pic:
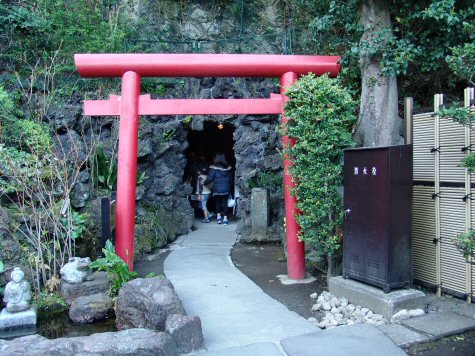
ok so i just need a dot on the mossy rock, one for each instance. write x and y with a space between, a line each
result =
154 229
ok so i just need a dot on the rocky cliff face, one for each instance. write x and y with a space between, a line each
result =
163 209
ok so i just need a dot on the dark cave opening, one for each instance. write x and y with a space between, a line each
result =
215 137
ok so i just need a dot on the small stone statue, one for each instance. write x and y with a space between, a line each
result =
77 270
17 292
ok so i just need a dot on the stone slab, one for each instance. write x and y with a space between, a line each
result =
260 208
257 349
361 339
441 324
374 298
402 336
17 320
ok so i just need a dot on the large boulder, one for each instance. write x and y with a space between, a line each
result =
146 303
186 331
87 309
127 342
100 284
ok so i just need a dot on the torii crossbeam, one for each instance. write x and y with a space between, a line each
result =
131 67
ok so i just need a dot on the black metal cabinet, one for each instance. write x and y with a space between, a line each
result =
378 214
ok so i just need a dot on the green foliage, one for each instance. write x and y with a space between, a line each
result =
168 134
50 304
115 267
458 114
462 62
8 115
17 169
466 118
152 86
151 275
469 162
321 114
32 136
465 243
269 180
77 225
104 170
187 120
424 34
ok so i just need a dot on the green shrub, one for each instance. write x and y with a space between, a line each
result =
321 115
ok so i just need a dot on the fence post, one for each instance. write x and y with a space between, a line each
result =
438 102
408 119
468 98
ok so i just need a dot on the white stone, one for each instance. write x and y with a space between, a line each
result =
370 314
351 308
377 317
344 302
334 310
416 312
321 299
400 315
312 320
364 310
326 306
317 307
350 322
314 295
334 322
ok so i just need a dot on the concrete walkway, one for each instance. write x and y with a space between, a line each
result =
238 318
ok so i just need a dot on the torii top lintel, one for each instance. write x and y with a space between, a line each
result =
204 65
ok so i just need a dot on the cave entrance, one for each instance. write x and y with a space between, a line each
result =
215 137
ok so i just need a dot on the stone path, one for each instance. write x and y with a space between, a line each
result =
238 318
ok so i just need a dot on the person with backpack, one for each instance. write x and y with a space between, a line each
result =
220 173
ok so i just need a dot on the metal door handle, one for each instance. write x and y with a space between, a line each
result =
347 211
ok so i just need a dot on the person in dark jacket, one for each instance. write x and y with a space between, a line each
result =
220 175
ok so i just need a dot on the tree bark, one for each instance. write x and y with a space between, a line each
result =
378 122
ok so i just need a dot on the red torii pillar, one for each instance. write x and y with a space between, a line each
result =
131 67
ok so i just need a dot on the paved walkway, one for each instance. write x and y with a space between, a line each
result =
238 318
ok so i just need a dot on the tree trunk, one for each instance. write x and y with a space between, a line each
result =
378 122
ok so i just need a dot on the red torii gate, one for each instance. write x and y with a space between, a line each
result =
131 67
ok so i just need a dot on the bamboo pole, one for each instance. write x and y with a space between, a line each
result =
408 119
468 97
438 102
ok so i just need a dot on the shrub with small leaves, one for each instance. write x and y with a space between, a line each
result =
321 114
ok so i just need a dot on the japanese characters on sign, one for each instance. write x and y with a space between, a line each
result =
365 171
